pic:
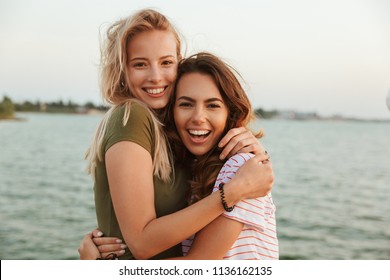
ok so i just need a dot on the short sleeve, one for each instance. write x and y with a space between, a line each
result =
138 128
255 212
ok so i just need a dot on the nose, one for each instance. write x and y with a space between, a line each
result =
154 74
198 115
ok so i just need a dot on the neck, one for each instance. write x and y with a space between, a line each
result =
160 113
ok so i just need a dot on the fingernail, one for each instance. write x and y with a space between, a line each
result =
121 252
222 156
123 246
100 233
220 144
119 241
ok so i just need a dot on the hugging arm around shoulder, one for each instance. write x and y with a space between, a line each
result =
131 186
133 198
248 232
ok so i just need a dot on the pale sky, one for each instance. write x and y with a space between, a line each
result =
329 57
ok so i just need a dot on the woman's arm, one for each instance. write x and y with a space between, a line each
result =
214 240
211 243
129 169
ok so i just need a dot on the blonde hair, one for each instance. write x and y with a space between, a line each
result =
116 90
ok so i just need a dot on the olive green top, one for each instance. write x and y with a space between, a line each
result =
169 197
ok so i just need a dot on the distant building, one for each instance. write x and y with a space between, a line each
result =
42 106
293 115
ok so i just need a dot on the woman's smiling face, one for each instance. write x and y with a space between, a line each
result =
152 66
200 112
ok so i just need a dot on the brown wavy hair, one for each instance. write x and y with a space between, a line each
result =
205 168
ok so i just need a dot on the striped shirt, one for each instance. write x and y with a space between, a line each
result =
258 239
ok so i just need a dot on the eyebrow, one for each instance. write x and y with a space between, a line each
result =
144 58
193 100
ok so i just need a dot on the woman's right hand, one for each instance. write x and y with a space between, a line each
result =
253 179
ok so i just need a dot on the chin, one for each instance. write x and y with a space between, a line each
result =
158 105
198 153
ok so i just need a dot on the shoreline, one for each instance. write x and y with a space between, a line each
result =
99 112
15 119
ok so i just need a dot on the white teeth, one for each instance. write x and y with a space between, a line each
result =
154 90
199 132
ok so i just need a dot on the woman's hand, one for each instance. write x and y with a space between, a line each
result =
108 246
239 140
94 246
88 249
253 179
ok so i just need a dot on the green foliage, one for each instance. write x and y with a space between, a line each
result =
6 108
27 106
266 114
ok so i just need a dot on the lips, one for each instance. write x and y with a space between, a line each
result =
198 136
155 92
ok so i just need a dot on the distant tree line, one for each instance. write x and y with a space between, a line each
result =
7 108
57 107
261 113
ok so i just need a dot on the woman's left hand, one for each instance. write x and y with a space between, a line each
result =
108 247
88 250
240 140
95 246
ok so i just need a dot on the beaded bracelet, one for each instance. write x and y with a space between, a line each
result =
224 204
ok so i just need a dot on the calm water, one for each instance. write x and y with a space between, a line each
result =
332 188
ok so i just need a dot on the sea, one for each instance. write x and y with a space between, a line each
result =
331 190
